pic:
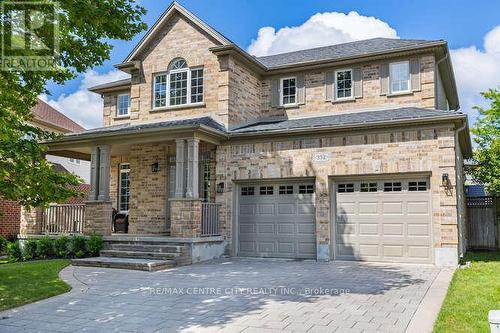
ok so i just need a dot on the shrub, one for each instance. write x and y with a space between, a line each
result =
29 249
61 247
45 248
14 251
78 246
3 244
94 244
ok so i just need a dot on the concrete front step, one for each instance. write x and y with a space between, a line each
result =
125 263
139 247
138 254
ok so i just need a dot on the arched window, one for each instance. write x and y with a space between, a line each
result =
180 85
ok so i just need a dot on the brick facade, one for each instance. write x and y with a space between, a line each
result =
10 217
98 217
185 217
427 150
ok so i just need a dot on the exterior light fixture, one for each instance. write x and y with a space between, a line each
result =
220 188
155 167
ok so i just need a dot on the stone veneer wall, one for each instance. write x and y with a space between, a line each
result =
98 217
411 150
316 98
30 221
185 217
177 38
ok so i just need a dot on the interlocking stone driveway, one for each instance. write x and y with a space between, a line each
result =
362 297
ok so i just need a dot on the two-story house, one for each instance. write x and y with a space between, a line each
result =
351 151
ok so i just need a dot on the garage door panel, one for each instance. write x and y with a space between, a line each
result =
368 229
282 225
287 209
266 209
392 229
383 223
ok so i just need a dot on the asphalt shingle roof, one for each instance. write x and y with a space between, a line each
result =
46 113
345 50
357 118
206 121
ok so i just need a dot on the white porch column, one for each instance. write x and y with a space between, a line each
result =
192 176
94 173
179 167
104 167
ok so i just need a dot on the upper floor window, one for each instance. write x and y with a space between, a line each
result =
399 76
288 91
123 105
180 86
343 84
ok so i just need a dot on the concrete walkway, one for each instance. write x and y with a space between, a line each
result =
234 295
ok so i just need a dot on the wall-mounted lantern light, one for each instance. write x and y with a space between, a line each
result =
445 181
220 188
155 167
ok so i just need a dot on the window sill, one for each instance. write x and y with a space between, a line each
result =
404 93
121 117
343 100
178 107
289 106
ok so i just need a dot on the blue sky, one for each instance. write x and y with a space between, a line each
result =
464 24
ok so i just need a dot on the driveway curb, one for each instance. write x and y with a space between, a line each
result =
428 309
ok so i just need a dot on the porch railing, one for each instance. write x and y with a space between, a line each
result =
63 219
210 219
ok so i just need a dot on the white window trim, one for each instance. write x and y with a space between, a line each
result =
335 93
118 115
167 102
390 78
120 185
281 91
75 161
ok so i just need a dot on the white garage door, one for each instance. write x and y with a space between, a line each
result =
383 220
277 220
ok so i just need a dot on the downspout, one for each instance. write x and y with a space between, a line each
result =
459 175
436 73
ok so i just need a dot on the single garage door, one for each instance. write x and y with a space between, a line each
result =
384 220
277 220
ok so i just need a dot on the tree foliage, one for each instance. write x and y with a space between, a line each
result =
85 30
487 136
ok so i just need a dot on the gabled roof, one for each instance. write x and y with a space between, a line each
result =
46 114
346 50
110 86
171 10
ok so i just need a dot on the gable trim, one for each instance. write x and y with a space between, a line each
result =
171 10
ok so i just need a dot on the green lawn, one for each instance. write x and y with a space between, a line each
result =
472 293
27 282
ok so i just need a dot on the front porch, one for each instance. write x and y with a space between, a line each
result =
161 180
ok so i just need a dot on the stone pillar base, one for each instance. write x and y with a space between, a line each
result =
98 217
185 217
30 222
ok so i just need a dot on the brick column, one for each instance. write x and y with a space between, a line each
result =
98 217
185 217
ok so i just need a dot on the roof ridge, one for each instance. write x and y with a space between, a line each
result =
347 43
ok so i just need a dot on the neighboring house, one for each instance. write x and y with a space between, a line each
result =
48 118
350 151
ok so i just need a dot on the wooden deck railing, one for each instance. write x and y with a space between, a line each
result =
63 219
210 219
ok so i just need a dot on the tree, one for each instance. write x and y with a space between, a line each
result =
85 30
486 167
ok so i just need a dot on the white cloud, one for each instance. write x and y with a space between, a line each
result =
320 30
83 106
476 71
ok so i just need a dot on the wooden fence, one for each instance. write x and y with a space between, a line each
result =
482 223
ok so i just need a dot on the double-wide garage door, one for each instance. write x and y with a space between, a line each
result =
276 220
383 220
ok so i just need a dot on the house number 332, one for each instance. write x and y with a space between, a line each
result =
321 157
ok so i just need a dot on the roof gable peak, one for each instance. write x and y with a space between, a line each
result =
172 9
